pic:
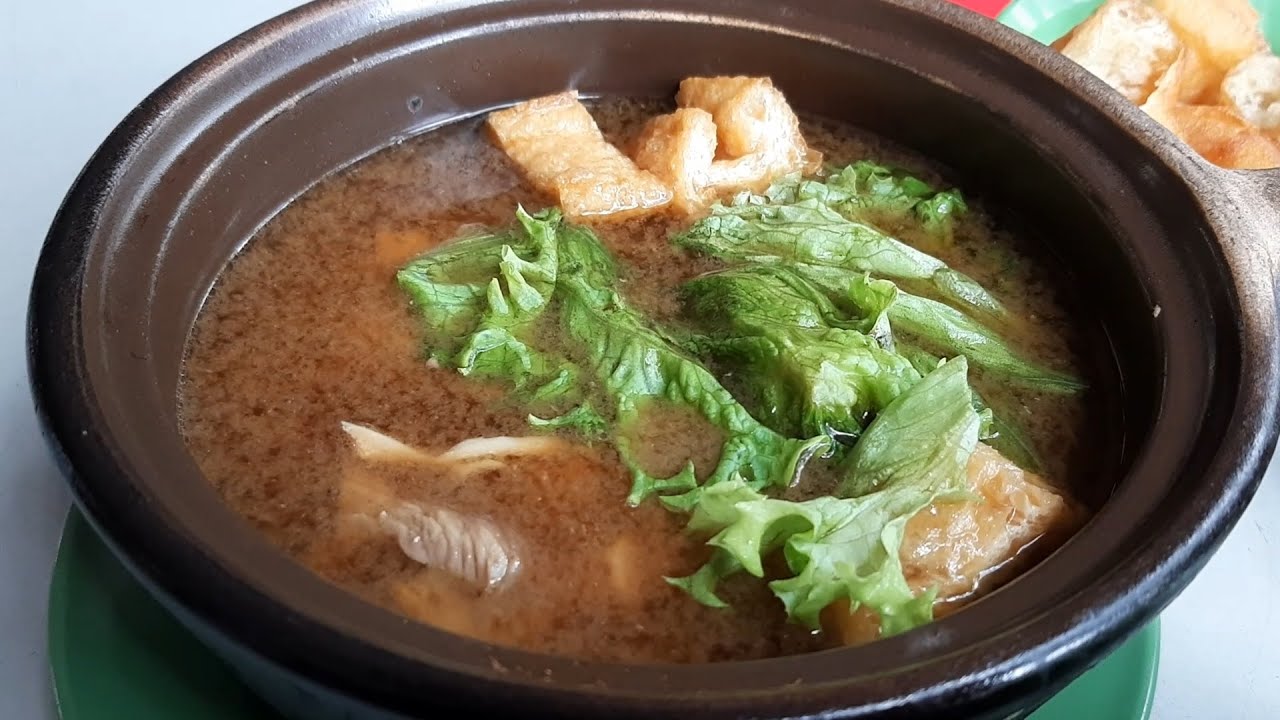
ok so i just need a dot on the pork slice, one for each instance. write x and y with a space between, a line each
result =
469 547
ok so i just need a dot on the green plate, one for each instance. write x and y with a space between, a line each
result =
117 655
1048 20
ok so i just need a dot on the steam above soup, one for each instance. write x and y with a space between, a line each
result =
698 385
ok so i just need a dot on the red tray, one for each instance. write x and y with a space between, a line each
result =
990 8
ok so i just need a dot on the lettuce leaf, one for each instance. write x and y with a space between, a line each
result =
881 309
913 454
493 306
952 332
870 192
924 438
804 374
995 430
814 226
583 418
634 362
480 298
488 302
808 232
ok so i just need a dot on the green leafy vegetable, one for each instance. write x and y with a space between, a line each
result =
939 213
482 300
953 332
813 226
925 437
634 362
815 338
503 278
914 453
479 299
805 377
882 305
873 299
869 192
1010 441
808 232
995 430
582 418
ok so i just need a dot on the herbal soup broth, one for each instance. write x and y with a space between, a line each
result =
778 411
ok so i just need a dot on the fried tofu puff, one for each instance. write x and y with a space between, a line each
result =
558 146
1128 44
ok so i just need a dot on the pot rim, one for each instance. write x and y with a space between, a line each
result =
54 356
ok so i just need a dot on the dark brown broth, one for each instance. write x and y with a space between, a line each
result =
306 328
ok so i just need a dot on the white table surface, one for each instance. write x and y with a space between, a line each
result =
70 69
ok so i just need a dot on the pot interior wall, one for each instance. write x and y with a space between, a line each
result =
237 146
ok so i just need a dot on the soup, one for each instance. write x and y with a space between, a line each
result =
656 407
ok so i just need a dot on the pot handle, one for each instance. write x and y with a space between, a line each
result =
1258 194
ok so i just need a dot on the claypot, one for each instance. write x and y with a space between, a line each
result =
1130 214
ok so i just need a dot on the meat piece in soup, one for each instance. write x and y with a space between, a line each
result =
735 421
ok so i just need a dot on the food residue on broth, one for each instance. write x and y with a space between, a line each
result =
626 384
